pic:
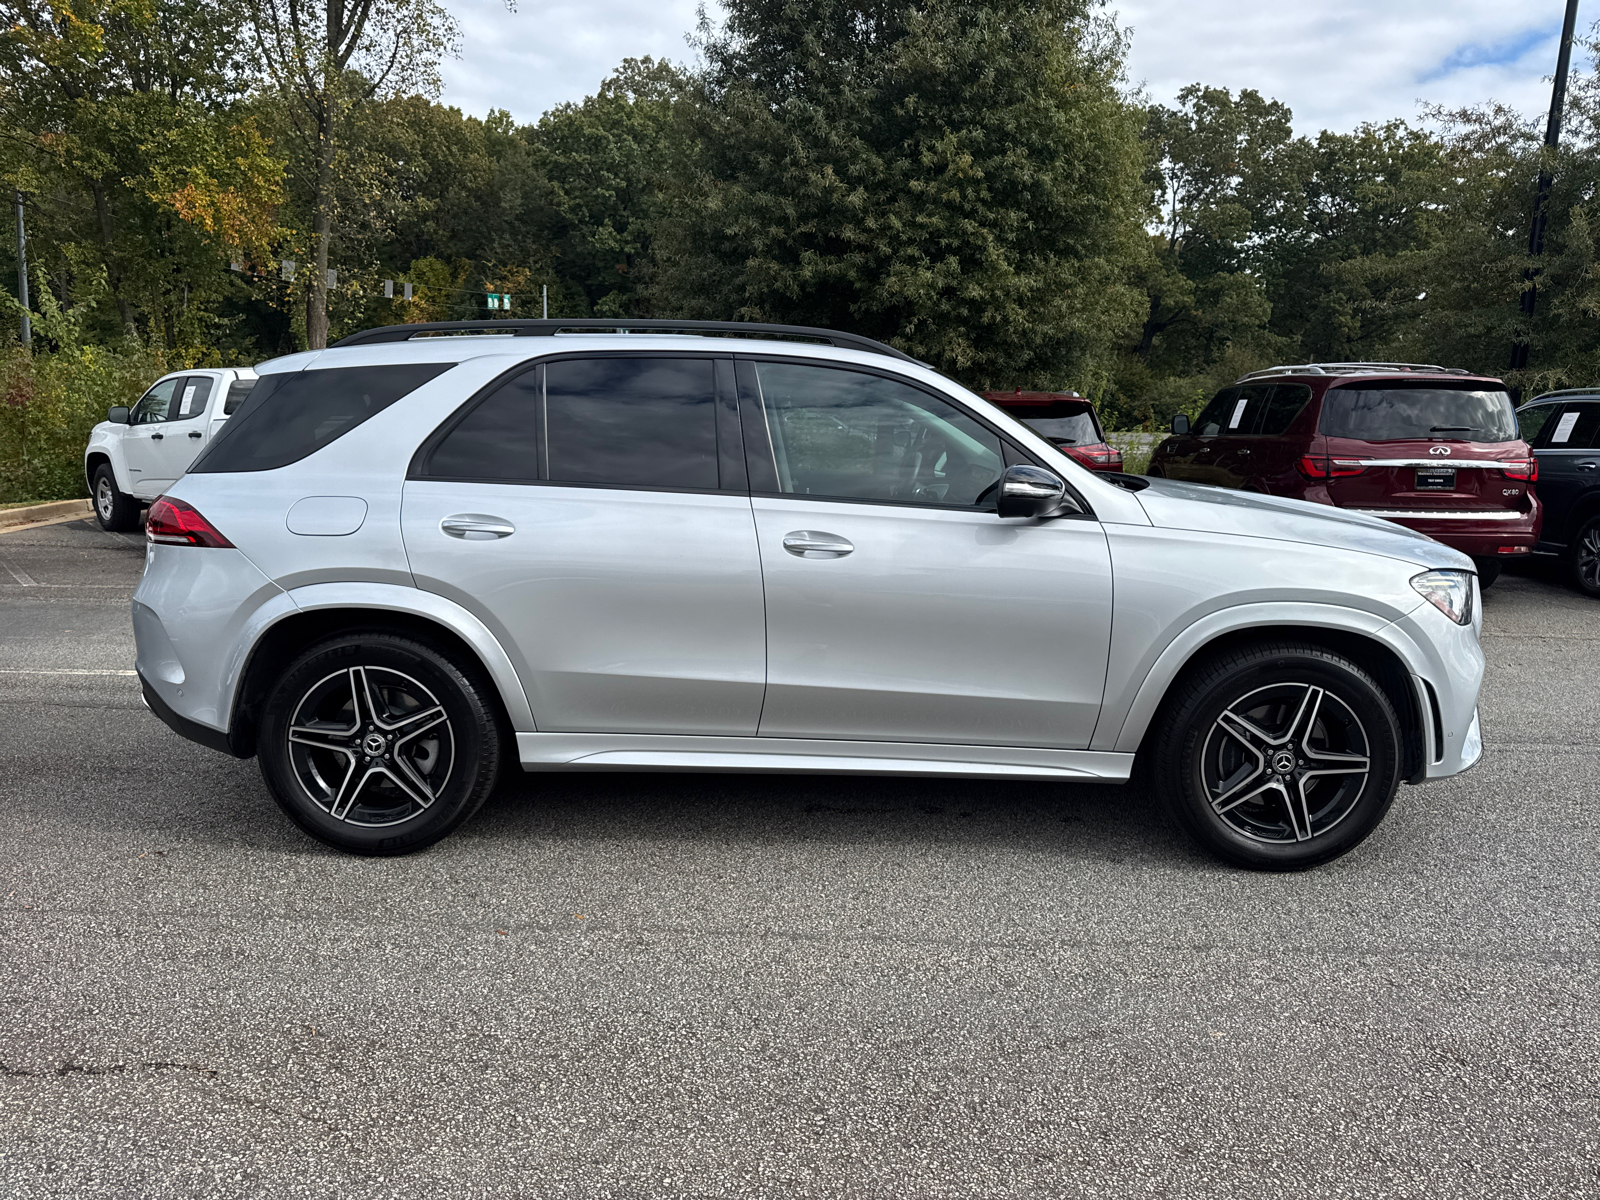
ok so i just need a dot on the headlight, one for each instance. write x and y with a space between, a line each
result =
1448 591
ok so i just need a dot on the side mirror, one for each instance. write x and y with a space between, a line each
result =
119 414
1180 424
1028 491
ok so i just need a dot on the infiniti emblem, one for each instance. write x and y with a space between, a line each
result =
1283 762
1438 449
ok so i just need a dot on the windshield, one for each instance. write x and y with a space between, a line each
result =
1420 412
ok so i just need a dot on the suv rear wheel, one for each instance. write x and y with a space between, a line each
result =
114 509
1586 558
379 744
1278 757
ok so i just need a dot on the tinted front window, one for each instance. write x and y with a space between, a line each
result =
293 414
859 436
645 422
498 439
1065 425
153 407
1234 411
1417 412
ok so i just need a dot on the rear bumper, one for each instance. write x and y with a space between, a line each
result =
212 739
1499 533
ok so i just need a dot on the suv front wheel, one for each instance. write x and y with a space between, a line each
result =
1278 757
379 744
1586 558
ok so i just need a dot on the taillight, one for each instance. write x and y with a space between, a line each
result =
1315 466
1522 468
1097 454
174 523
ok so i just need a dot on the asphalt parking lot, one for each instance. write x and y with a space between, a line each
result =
678 985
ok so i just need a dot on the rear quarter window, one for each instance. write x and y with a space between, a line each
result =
289 416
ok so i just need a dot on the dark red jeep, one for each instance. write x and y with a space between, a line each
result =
1431 448
1066 419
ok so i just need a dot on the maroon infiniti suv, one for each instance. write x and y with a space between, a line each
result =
1066 419
1431 448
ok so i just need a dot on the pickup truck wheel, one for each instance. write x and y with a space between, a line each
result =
114 509
1278 757
378 744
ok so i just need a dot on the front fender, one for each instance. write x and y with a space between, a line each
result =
1124 732
104 442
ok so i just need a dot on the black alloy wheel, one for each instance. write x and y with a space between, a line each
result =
1278 757
1488 571
116 511
1586 558
379 744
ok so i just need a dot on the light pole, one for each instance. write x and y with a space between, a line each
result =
1541 199
22 276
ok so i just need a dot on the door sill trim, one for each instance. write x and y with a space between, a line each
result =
688 752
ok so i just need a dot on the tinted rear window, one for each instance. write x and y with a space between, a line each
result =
644 422
238 392
1418 412
291 415
1064 424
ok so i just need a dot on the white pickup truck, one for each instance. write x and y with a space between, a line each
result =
136 454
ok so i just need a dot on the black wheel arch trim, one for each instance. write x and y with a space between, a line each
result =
212 739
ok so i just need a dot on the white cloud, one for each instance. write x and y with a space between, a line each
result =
1339 64
1335 64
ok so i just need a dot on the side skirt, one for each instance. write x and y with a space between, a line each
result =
673 752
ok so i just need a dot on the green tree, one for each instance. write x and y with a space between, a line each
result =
960 179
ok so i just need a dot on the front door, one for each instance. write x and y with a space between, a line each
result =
146 436
592 512
180 438
900 608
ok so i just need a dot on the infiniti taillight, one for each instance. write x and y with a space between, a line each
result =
1098 454
174 523
1315 466
1522 468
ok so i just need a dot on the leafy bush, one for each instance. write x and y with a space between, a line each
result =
51 398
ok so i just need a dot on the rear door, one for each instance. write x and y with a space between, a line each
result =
1430 445
1568 450
592 511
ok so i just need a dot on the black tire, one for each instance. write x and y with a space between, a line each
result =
1488 571
1584 556
1202 754
421 753
116 511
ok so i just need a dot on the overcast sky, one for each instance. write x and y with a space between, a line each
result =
1336 63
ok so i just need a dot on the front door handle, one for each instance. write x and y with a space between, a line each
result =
475 527
803 543
1587 466
195 433
156 437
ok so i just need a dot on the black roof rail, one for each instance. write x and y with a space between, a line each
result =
548 328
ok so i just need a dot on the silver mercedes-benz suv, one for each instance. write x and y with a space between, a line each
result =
431 550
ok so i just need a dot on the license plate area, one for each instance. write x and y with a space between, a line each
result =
1436 479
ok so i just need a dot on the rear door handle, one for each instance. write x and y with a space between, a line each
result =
804 542
1587 466
475 527
156 437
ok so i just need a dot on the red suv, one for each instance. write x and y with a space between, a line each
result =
1434 449
1066 419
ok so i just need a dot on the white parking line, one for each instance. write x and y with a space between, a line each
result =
58 671
21 577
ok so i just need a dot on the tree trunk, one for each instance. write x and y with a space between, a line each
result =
321 233
1147 336
102 210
